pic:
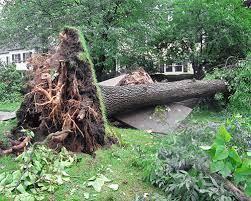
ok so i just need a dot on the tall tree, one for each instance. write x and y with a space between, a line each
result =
205 32
114 29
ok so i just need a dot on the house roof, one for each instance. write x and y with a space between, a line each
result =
32 43
7 48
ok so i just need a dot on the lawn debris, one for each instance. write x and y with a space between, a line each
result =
98 182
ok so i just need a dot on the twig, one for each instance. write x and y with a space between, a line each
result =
231 187
237 192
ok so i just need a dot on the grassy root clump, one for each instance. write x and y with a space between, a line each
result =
64 98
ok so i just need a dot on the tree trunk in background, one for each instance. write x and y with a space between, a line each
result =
198 71
122 98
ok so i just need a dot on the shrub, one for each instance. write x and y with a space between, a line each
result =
239 126
228 162
185 177
11 84
239 79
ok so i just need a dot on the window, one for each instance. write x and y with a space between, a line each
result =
169 69
178 68
7 60
16 58
26 56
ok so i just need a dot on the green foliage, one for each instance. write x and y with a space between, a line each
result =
184 177
239 125
192 185
11 84
238 80
98 182
227 161
115 30
160 112
180 169
134 33
113 162
40 171
204 32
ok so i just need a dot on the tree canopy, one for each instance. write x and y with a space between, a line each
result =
137 32
205 32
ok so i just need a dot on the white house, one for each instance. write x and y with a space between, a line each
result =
17 56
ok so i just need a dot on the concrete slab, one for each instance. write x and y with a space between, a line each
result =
113 81
7 115
189 102
162 120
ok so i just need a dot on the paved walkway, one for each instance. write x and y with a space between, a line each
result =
7 115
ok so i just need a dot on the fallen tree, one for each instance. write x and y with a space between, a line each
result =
64 99
123 98
64 104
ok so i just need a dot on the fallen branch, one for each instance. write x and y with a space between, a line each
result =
239 194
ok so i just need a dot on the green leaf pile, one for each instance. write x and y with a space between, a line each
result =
41 170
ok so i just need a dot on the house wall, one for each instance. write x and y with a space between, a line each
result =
3 57
20 61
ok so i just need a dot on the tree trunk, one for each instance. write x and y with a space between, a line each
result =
122 98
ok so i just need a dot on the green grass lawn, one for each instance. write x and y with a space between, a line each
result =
9 107
116 163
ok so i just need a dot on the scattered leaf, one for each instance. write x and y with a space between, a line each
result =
205 147
86 196
97 184
114 186
21 189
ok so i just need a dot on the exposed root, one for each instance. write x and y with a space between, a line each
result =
139 76
17 147
58 136
63 105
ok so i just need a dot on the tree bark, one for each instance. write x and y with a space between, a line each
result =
123 98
